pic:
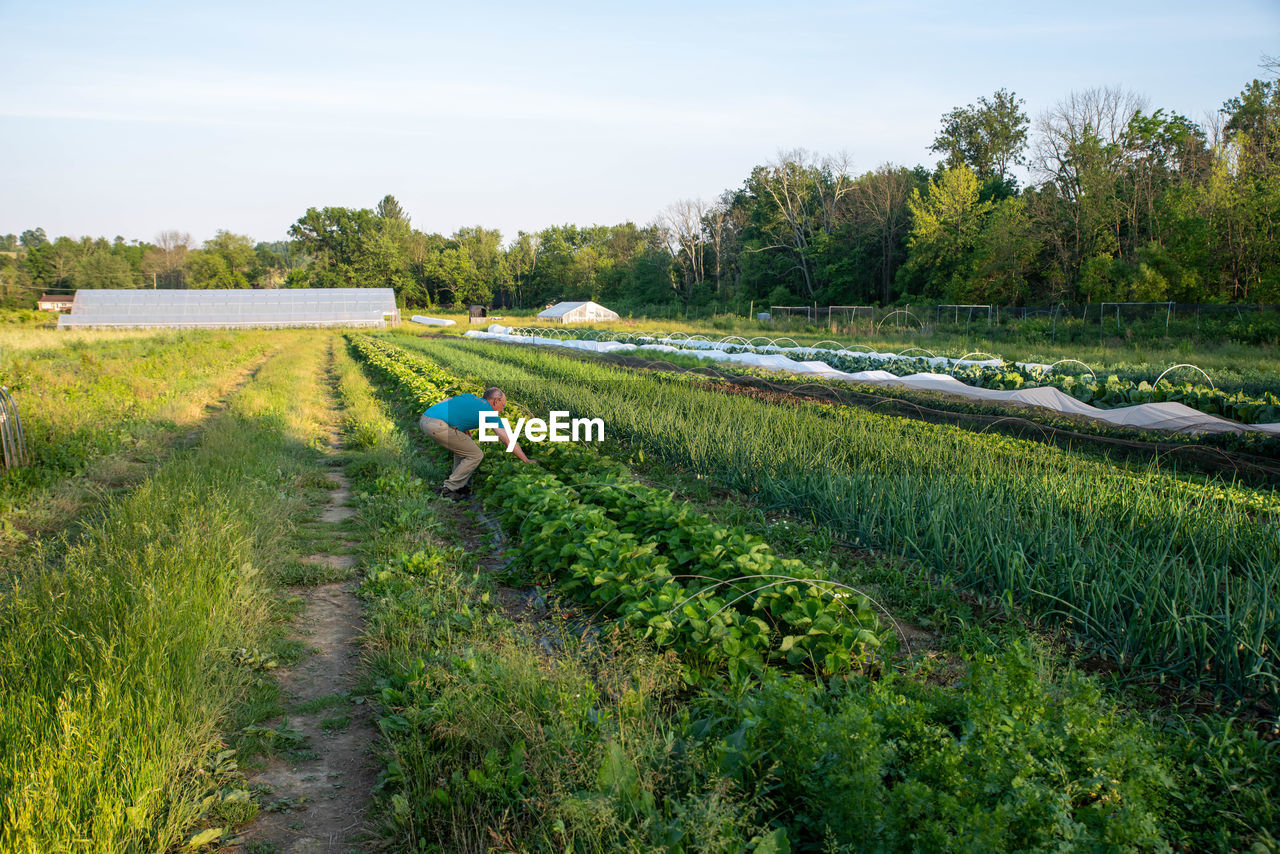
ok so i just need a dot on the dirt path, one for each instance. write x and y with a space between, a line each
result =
316 798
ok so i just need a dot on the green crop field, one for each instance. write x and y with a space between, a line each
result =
743 622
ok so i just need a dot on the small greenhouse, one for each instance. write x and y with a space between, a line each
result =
577 312
224 309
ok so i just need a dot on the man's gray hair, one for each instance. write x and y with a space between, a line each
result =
493 393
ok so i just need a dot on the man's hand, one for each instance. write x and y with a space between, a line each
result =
532 460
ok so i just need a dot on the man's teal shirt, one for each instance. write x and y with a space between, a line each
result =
461 412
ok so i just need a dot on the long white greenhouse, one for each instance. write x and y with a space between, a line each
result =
223 309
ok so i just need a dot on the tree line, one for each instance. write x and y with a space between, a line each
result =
1121 202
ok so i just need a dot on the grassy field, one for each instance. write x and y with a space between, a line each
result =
655 651
100 414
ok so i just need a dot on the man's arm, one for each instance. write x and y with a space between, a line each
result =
506 440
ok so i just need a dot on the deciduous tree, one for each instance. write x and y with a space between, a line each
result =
989 137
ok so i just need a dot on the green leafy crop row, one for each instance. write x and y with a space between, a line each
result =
1108 393
426 383
720 597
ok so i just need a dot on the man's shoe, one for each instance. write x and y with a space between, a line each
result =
445 492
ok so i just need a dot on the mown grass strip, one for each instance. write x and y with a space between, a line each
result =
116 662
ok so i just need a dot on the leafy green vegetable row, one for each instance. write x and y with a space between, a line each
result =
1109 393
424 382
720 597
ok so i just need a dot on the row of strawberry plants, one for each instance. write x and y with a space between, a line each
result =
425 383
641 556
721 598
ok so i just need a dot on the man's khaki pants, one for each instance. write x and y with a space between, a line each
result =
466 453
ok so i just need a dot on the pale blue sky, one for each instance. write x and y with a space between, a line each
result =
130 118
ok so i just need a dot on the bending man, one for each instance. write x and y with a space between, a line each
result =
448 423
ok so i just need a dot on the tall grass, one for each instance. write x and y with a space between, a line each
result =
86 398
1157 574
364 424
114 661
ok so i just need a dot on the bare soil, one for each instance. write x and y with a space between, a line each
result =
482 537
317 798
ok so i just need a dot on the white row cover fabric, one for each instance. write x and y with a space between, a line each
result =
232 308
674 344
1174 417
433 321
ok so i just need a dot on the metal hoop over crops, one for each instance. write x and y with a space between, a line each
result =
897 312
1186 365
921 349
1078 362
783 580
729 339
839 346
794 344
764 338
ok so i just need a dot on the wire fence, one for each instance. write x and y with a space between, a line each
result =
1106 319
